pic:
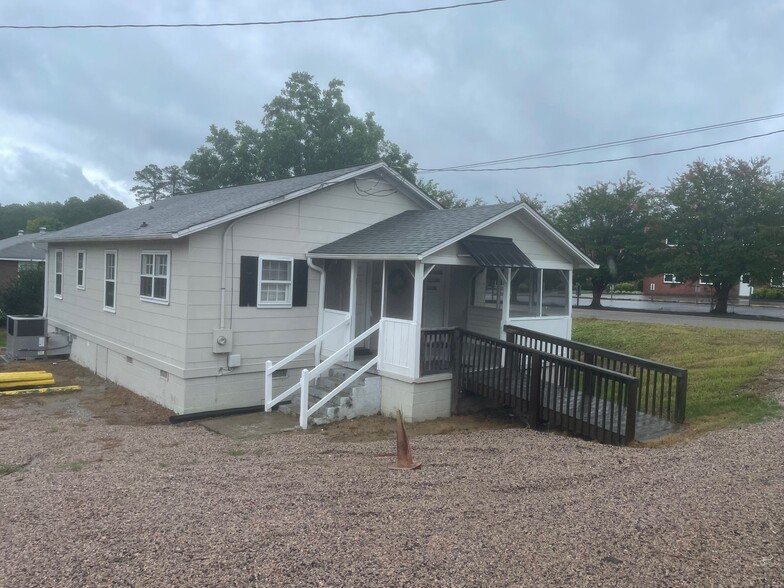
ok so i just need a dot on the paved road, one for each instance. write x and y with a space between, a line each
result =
639 302
680 319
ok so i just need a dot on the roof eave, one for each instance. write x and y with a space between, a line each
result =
583 261
367 256
152 237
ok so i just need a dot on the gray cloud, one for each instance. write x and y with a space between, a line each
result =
452 87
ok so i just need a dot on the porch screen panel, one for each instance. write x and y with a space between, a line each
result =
524 298
555 299
399 295
337 289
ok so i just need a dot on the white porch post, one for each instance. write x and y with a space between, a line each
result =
569 297
419 278
352 307
506 306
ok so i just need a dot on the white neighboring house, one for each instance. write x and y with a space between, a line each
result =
184 300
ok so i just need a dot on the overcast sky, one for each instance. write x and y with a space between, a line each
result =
81 110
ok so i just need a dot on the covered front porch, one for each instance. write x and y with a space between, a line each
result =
404 297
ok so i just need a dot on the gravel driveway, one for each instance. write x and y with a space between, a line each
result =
117 505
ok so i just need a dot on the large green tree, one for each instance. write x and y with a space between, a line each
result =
610 223
724 220
304 130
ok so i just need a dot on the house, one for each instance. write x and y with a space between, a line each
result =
17 253
668 284
186 300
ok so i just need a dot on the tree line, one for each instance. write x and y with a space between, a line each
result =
31 217
714 223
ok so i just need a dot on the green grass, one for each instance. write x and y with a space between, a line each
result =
722 364
2 337
9 468
76 466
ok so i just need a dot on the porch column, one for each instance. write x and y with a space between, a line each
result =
569 296
506 304
419 290
352 306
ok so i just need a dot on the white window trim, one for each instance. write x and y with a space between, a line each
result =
288 302
153 299
112 309
674 280
59 253
83 268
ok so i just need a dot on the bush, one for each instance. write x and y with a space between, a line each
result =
628 286
768 294
25 295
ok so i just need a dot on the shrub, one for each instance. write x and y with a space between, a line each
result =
768 294
25 295
628 286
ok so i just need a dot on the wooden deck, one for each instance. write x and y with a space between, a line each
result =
564 407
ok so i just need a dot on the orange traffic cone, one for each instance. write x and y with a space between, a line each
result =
404 459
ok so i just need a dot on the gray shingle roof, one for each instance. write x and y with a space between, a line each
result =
179 213
413 232
21 247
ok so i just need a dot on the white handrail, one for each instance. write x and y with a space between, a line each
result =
269 401
307 376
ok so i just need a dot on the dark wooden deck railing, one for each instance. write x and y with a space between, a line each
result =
549 389
661 389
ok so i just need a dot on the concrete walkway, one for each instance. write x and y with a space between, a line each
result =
254 425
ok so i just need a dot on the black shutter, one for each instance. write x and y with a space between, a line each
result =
299 295
249 280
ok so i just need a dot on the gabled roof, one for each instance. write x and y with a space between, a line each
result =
415 234
182 215
20 248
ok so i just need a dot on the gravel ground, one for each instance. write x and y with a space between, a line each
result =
101 504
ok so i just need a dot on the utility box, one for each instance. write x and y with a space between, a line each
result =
26 337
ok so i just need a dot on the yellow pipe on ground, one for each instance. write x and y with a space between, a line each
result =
29 384
24 376
40 390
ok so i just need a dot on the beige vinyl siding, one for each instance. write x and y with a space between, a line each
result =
535 248
485 321
290 229
140 328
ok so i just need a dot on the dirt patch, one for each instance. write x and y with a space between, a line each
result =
377 428
98 398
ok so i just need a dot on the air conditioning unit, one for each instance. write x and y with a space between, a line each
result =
26 337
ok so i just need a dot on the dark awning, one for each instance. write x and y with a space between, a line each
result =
495 252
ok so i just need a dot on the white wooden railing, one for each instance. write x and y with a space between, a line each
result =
269 401
306 411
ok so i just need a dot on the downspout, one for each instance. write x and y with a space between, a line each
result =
223 274
322 294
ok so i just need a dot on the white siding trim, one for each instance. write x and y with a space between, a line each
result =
83 253
58 256
113 280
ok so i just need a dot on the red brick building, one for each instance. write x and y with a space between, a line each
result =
17 252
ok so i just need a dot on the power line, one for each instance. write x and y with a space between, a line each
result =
254 23
597 161
606 145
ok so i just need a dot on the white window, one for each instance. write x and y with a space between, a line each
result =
58 273
671 279
154 281
110 280
80 269
275 281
